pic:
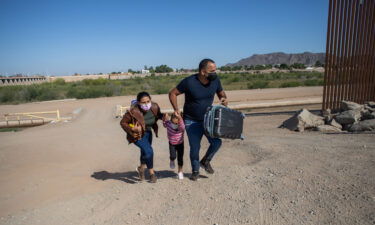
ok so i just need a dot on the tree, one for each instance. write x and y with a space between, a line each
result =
298 66
225 68
259 67
235 68
163 69
284 66
318 64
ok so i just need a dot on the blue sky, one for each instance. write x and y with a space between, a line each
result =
55 37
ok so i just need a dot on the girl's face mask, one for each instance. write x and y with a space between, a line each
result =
146 106
174 126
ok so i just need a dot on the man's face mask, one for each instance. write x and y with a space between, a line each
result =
211 76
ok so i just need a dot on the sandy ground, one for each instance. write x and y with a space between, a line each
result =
82 172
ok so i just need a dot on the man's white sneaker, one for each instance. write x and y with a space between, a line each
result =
180 175
172 165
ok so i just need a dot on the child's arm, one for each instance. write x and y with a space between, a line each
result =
181 125
165 123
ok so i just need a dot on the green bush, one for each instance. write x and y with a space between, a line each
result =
290 84
59 81
257 84
100 81
312 82
6 95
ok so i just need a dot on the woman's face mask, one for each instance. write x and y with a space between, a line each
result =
146 106
145 103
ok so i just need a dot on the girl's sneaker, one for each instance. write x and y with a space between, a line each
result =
180 175
172 165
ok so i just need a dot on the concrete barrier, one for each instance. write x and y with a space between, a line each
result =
8 81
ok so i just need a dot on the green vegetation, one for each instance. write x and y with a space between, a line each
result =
268 66
10 129
59 89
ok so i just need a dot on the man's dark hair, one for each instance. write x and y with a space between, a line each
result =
142 94
203 64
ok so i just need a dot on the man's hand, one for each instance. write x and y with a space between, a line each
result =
177 113
224 101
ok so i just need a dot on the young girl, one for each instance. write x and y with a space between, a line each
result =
175 130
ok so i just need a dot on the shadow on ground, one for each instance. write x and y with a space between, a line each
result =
130 177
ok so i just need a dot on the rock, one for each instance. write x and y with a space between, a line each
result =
367 115
366 125
302 120
348 117
346 126
371 104
347 105
327 128
369 108
327 115
326 112
334 123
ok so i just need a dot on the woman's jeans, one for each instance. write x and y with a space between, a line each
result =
195 132
147 153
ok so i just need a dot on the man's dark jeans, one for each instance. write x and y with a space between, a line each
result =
195 132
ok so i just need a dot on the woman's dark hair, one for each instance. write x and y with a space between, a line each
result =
142 94
203 64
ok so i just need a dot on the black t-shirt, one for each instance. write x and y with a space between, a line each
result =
198 97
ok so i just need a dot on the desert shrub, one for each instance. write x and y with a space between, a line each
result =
96 82
59 81
290 84
276 76
7 95
257 84
313 82
161 89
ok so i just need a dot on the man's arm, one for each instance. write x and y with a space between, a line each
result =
223 98
173 98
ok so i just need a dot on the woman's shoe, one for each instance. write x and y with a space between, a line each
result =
141 173
153 178
180 175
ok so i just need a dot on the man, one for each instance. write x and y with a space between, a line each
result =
199 90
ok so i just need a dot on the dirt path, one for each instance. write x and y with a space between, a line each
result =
274 176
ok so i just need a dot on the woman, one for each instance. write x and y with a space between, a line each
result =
138 122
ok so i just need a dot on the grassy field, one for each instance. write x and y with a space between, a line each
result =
59 89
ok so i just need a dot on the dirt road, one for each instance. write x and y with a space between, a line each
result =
82 172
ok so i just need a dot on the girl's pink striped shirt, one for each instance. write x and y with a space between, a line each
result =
175 137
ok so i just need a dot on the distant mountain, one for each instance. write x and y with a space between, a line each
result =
306 58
